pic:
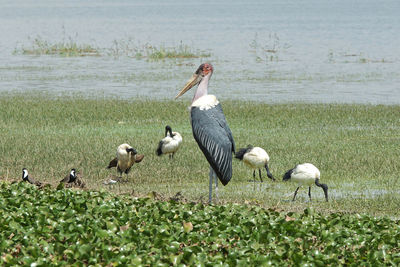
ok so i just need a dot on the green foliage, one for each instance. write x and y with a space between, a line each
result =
64 227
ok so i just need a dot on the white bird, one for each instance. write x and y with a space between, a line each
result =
305 174
126 157
255 158
210 129
170 143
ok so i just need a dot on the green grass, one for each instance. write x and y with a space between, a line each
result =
354 146
80 228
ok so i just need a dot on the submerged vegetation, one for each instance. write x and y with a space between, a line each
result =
152 52
64 227
68 47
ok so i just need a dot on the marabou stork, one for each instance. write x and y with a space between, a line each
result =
255 158
29 179
170 143
126 157
210 129
69 178
305 174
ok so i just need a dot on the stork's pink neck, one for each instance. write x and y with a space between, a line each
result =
202 89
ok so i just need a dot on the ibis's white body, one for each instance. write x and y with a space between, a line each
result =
305 174
171 144
256 158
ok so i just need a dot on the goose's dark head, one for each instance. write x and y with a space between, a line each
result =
131 150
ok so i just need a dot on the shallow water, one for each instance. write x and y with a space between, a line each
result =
341 51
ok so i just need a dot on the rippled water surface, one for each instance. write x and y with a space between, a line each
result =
270 51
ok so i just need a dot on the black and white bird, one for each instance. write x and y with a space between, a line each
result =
29 179
305 174
170 143
69 178
255 158
126 157
210 129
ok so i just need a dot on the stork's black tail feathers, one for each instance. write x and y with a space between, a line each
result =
288 175
158 151
240 154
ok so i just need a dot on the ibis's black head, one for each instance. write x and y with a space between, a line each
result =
324 187
168 129
240 154
287 175
202 71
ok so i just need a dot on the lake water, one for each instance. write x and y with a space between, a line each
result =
270 51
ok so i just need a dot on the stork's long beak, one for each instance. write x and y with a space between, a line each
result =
196 78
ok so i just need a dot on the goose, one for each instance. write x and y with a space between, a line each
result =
126 157
305 174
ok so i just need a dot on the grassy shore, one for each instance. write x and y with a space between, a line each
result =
356 148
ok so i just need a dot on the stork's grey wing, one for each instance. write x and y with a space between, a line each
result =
216 142
220 117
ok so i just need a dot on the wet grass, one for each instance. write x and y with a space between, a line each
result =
354 146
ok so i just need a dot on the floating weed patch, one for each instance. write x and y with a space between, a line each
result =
64 227
153 52
69 48
128 48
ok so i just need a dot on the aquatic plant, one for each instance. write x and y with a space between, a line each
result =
69 48
152 52
267 49
65 227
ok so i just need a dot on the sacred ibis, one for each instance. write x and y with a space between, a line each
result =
305 174
210 129
255 158
170 143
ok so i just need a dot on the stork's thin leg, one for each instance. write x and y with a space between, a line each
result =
216 187
259 173
211 184
295 193
254 180
309 192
